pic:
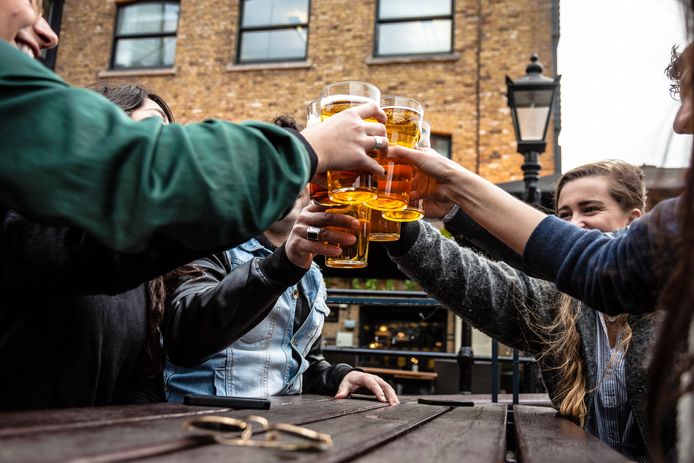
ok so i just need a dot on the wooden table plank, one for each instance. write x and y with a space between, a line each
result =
524 399
543 436
408 374
353 435
56 420
42 421
95 441
470 434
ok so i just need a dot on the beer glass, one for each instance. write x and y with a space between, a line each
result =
415 208
355 255
348 187
383 229
318 191
404 125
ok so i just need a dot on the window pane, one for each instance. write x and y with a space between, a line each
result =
147 18
273 45
274 12
441 144
394 9
145 53
414 37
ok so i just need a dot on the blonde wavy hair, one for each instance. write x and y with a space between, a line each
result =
561 339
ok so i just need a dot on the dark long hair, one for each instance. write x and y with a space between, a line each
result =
129 97
669 362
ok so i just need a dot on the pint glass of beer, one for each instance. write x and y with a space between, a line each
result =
415 208
383 229
319 188
348 187
355 255
404 125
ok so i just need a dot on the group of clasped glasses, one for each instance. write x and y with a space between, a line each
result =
380 203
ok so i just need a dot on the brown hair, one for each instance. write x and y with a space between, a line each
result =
627 186
561 338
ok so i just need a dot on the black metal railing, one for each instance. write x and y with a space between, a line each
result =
464 356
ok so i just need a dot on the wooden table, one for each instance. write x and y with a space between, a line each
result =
408 374
362 430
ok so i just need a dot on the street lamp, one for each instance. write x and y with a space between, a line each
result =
530 99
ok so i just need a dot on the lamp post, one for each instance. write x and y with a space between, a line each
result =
530 99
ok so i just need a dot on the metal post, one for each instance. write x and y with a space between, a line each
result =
516 377
531 176
495 371
465 360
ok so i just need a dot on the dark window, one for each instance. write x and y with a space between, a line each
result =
441 144
53 12
413 27
145 35
273 30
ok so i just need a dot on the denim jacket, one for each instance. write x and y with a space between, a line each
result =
270 359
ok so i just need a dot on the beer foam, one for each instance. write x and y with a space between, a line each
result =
403 108
343 98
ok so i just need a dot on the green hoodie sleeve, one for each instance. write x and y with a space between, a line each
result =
70 155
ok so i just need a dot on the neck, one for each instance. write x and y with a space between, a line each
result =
277 237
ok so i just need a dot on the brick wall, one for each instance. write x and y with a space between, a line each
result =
464 96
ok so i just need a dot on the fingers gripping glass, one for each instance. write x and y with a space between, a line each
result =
282 436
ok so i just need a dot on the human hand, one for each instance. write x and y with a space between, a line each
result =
345 141
301 251
355 380
436 178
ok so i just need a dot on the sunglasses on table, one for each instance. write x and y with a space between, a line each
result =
243 433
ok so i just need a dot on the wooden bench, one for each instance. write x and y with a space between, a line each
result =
543 436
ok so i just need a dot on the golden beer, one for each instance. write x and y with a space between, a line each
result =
403 126
357 254
338 103
406 215
318 190
382 229
348 187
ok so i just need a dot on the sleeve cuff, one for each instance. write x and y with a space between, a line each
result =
280 270
312 156
409 232
452 213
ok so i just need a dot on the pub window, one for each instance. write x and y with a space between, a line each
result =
441 144
413 27
145 35
273 30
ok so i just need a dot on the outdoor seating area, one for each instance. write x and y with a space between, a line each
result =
382 231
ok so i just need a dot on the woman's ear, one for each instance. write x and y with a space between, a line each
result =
634 214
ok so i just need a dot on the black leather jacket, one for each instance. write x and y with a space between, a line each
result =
213 309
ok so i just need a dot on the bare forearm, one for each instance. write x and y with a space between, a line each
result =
504 216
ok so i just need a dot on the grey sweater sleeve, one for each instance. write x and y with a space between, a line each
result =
495 298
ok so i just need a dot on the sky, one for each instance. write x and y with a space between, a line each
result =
615 96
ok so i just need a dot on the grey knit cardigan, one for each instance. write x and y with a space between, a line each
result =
506 304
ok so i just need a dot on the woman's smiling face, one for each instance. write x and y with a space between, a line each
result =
22 25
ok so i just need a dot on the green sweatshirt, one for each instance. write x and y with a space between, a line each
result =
69 155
